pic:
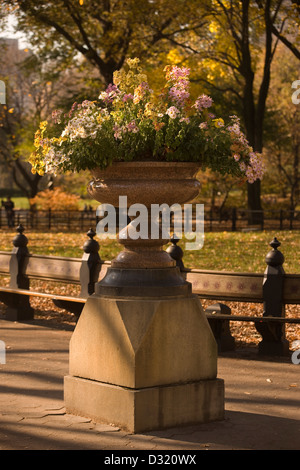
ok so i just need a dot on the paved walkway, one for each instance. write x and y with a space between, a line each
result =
262 403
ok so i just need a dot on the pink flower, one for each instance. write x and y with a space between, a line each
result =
117 132
132 127
175 73
56 115
242 166
72 109
185 119
202 102
109 94
179 95
127 97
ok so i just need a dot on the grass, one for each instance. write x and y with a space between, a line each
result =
225 251
244 252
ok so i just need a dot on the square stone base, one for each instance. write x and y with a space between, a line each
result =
145 409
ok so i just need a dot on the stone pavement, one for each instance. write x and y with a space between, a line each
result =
262 398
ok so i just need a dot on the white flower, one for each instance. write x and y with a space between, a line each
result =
172 112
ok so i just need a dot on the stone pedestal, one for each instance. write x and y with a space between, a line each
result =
144 364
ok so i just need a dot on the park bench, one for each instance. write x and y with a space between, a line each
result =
274 289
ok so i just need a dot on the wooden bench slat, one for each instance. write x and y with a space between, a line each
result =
254 319
56 268
4 262
41 294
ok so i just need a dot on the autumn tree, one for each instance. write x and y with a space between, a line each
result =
282 130
33 89
224 39
235 59
102 32
13 119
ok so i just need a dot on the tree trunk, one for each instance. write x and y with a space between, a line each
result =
249 113
29 184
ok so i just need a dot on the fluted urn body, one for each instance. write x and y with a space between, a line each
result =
146 183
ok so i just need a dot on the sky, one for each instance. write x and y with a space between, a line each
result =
9 32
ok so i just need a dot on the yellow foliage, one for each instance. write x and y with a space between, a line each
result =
174 57
55 199
213 27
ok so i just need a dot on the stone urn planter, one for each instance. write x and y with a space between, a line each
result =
143 355
143 266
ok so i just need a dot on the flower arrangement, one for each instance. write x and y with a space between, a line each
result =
129 122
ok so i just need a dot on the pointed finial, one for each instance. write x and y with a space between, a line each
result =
20 240
275 243
91 245
91 233
176 252
274 257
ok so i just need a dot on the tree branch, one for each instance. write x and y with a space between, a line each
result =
204 80
286 42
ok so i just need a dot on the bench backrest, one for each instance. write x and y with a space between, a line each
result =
241 287
218 285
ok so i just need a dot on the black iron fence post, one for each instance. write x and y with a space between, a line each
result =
89 274
18 306
291 219
273 333
281 219
234 219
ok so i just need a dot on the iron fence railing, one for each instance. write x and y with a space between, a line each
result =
230 219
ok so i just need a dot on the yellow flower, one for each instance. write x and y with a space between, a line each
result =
102 118
219 122
132 63
148 109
